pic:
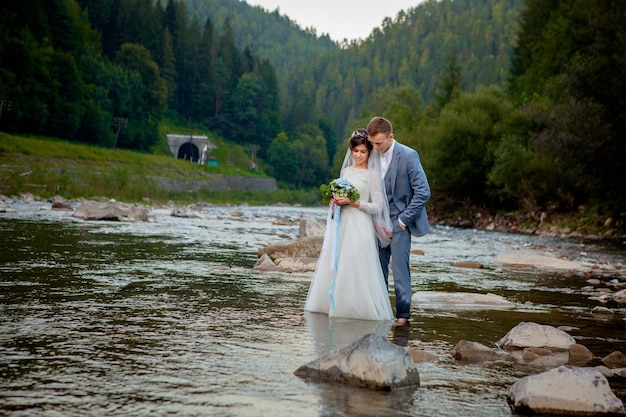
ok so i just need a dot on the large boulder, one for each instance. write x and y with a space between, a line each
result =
370 362
565 390
305 247
112 210
310 227
528 334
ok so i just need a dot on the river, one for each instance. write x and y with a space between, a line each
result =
168 318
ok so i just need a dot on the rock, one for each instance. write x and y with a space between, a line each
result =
264 263
602 311
460 300
282 221
615 360
370 362
579 355
28 198
418 252
528 334
471 265
620 297
531 354
475 352
608 373
111 211
296 264
304 247
529 258
565 390
310 227
420 356
58 204
138 214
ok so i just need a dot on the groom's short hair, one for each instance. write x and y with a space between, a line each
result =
379 125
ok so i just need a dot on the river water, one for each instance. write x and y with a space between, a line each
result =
168 318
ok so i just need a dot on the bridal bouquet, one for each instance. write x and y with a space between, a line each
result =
340 187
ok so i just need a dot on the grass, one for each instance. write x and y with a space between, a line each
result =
48 167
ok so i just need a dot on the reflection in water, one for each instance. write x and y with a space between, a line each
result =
330 333
168 318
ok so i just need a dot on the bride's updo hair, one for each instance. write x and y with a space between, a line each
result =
360 137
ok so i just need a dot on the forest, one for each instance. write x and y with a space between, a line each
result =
517 105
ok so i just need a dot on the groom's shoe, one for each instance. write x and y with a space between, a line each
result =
401 321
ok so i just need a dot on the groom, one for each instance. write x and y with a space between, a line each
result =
407 191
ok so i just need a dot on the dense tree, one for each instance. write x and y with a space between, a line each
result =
569 70
463 140
70 68
449 85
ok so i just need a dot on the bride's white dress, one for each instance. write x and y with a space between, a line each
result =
357 289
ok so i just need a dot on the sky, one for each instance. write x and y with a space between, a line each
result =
340 19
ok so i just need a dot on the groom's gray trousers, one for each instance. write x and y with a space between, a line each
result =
399 253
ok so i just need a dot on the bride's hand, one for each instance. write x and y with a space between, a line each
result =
342 201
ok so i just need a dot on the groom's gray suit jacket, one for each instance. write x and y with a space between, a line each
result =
407 188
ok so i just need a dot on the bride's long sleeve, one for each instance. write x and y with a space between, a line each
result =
375 203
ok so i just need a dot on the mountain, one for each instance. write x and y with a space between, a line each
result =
413 50
268 34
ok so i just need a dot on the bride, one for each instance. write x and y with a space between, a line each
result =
348 280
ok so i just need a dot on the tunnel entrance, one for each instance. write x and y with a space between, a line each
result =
189 152
194 148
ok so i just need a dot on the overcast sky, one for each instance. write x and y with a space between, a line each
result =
350 19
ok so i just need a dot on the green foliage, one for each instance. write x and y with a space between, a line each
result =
301 162
412 50
569 69
463 139
71 67
49 167
71 73
449 85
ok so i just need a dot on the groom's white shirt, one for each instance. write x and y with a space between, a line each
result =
386 160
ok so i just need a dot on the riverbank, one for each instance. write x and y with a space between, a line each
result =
585 223
582 225
46 168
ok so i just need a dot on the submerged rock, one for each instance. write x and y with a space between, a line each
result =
460 300
370 362
536 259
476 352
